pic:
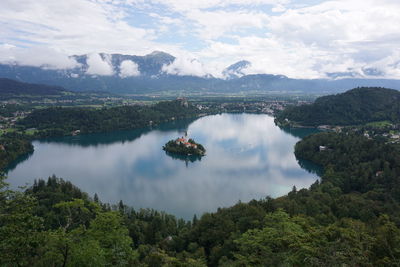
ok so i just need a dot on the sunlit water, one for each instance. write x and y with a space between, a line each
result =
248 157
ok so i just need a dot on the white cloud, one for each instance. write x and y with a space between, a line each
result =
36 57
74 26
267 55
333 36
129 68
301 39
184 5
278 8
185 66
98 65
389 65
165 19
214 24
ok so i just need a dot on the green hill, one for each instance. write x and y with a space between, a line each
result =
11 87
58 121
356 106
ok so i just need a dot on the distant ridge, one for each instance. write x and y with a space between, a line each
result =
12 87
132 74
356 106
148 65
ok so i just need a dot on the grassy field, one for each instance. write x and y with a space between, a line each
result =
31 131
379 124
8 130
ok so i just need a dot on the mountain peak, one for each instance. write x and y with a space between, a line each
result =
236 70
157 53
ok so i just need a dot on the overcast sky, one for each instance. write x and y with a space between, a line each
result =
297 38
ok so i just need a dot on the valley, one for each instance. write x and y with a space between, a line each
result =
343 179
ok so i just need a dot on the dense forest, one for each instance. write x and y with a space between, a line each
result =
64 121
12 146
349 218
356 106
365 163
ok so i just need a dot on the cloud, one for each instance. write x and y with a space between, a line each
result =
98 65
128 68
309 41
165 19
211 25
185 66
389 66
73 26
300 39
184 5
36 57
267 55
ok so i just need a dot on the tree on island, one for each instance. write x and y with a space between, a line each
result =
184 147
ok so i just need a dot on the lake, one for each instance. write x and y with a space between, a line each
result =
248 157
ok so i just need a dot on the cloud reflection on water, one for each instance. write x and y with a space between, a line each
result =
247 157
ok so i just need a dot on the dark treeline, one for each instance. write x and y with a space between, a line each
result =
63 121
349 218
357 106
12 146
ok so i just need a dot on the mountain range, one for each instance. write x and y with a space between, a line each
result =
130 74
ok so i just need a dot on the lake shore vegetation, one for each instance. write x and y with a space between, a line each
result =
59 121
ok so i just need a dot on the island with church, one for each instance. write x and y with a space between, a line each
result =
184 146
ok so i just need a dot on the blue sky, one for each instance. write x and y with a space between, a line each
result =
297 38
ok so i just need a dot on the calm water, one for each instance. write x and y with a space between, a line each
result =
248 157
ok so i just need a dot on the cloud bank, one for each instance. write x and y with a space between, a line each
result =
299 39
36 57
129 68
98 65
185 66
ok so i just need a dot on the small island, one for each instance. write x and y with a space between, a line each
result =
186 147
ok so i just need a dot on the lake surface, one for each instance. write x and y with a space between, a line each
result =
248 157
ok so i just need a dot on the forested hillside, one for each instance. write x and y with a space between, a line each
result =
63 121
357 106
367 169
12 146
